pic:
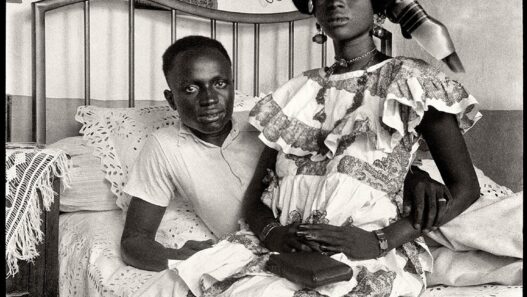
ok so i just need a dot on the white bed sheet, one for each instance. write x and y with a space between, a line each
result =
91 265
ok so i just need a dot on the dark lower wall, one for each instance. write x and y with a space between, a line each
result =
495 142
60 116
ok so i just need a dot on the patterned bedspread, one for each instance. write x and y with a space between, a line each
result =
29 171
91 265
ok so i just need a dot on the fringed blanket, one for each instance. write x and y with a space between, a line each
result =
28 173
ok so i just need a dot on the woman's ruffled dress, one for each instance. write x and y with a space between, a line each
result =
348 169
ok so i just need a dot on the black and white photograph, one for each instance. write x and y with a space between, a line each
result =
255 148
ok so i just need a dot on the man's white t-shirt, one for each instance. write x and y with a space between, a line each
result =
175 164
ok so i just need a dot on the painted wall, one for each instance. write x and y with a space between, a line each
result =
488 36
109 50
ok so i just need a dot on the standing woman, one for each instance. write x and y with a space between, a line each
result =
341 141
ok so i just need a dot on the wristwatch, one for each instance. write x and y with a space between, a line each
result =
383 242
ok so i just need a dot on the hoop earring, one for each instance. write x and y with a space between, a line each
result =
310 6
319 38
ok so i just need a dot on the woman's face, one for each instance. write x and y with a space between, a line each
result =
344 19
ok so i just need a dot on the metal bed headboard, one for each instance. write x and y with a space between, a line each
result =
40 8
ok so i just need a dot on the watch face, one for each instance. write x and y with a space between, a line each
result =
384 245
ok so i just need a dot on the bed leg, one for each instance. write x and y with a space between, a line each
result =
44 275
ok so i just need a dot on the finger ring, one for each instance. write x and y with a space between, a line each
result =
442 200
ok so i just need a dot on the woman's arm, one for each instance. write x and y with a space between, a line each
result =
258 215
450 153
138 245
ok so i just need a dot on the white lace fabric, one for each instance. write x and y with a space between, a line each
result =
118 134
90 263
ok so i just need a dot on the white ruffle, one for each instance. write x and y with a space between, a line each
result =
466 111
397 86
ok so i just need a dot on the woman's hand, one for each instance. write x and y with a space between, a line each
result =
354 242
424 200
190 248
284 239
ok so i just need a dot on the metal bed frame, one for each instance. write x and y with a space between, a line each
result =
176 7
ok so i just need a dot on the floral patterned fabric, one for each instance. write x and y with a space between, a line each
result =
348 168
91 265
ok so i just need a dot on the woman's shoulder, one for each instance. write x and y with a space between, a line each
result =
406 67
305 80
313 73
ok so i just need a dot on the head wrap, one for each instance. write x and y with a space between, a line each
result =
415 23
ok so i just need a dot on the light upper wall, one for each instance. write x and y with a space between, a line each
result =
487 34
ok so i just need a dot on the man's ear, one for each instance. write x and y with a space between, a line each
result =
170 99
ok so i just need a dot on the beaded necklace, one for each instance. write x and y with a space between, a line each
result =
361 85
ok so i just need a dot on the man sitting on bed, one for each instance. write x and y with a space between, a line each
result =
209 157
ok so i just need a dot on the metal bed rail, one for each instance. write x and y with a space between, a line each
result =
175 7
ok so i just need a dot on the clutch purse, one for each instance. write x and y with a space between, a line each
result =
309 269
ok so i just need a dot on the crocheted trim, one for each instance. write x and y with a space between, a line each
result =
23 232
117 134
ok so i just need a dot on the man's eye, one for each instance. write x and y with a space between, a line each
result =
221 84
191 89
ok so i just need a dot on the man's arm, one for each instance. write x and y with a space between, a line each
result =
138 245
420 199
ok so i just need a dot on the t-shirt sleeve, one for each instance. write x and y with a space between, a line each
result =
150 178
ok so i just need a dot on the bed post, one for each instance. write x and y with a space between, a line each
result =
38 73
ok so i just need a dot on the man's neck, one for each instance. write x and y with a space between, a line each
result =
216 139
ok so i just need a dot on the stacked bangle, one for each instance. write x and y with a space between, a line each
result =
267 229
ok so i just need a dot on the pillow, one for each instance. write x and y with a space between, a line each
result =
88 189
118 134
487 185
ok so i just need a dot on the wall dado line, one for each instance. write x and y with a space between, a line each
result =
488 37
497 132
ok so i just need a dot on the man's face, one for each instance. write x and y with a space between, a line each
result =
202 91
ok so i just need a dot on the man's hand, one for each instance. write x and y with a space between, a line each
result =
285 240
354 242
190 248
425 199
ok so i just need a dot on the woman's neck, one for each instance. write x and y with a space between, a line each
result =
349 49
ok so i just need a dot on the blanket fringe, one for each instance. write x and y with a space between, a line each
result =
28 235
